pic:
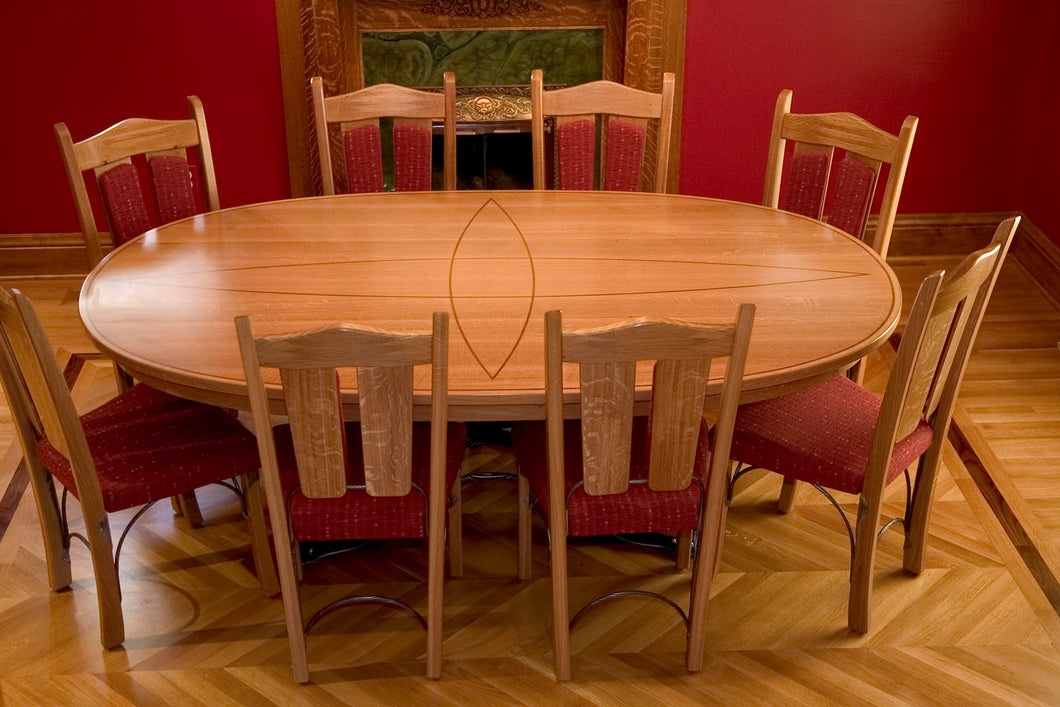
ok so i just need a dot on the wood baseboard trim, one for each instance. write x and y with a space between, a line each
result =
1040 257
44 254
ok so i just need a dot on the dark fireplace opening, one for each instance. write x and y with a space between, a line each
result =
494 146
489 160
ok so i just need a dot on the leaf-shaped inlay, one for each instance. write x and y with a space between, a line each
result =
491 281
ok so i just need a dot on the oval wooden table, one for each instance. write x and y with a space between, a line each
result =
162 305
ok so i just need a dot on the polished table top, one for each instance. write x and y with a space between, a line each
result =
162 305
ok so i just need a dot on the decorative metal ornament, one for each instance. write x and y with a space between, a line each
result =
481 8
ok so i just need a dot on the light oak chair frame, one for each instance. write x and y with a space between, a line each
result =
608 98
118 144
43 407
307 362
607 358
367 105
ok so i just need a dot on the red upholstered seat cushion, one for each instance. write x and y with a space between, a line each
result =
625 153
364 159
821 435
855 183
412 157
356 515
807 178
638 510
125 204
148 445
171 179
576 143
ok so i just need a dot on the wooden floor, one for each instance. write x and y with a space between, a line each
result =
978 627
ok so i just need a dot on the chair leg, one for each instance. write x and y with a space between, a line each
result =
264 566
707 560
787 495
122 378
861 568
56 545
524 520
108 590
557 541
456 532
684 549
435 579
916 532
292 611
188 506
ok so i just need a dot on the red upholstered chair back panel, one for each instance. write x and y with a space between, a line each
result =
806 183
842 198
173 182
855 185
364 159
124 201
826 166
625 154
128 209
576 149
412 157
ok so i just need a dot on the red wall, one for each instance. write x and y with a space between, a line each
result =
978 73
971 70
91 64
1042 204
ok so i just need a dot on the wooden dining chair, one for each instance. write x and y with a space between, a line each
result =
837 435
833 168
141 446
833 164
609 472
179 188
361 144
384 477
601 135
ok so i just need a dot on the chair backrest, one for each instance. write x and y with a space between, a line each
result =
357 115
844 198
164 144
607 359
308 363
935 348
39 398
622 114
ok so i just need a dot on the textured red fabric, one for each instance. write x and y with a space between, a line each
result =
806 181
822 435
356 515
576 143
855 183
174 190
625 154
364 159
638 510
149 445
412 157
124 200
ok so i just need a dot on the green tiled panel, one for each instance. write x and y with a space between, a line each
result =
490 58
